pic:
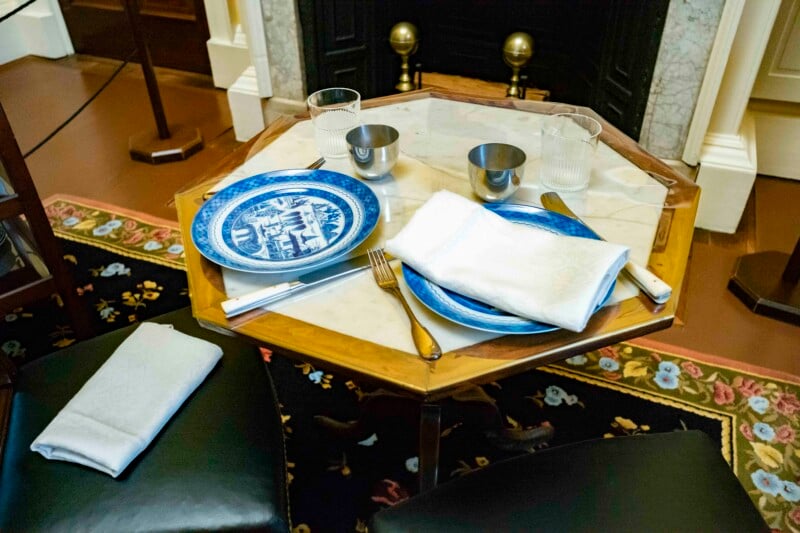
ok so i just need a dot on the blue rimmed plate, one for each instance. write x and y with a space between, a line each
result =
285 220
478 315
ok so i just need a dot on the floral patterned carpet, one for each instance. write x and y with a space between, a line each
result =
119 259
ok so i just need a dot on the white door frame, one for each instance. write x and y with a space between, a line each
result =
722 136
237 50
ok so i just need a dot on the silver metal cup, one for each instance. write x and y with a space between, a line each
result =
373 149
495 170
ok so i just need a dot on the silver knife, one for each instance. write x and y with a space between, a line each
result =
273 293
651 285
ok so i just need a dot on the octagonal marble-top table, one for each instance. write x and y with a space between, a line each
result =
354 327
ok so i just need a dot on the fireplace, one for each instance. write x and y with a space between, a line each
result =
600 54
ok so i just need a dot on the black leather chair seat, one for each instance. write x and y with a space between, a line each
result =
667 482
218 464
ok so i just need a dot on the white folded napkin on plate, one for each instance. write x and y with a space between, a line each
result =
123 406
523 270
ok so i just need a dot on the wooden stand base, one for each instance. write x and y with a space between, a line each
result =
760 282
150 148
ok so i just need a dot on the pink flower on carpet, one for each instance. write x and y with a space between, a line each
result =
390 493
691 369
723 393
787 403
65 211
70 211
746 430
135 237
794 515
160 234
785 434
129 225
609 351
750 387
85 288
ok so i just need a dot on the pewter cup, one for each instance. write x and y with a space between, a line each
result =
495 170
373 149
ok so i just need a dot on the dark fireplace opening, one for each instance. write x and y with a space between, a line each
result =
598 53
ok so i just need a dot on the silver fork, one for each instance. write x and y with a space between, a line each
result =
426 345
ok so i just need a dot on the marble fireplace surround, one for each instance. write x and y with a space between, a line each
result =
696 113
686 44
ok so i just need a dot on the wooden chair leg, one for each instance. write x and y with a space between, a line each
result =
23 200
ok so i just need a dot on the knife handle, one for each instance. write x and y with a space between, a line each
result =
651 284
248 302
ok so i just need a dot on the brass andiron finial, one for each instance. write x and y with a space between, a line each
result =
404 39
517 51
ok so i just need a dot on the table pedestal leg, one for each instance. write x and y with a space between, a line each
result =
430 419
476 409
483 409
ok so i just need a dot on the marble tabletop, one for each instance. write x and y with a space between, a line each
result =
622 203
343 320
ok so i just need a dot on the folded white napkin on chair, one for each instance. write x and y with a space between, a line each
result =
123 406
526 271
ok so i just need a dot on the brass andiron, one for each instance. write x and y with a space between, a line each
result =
404 39
517 51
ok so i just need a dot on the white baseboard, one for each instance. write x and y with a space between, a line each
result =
228 60
45 30
728 167
12 45
246 106
37 30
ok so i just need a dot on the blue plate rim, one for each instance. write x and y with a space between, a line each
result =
432 296
347 187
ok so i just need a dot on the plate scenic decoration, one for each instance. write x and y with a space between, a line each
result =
478 315
285 220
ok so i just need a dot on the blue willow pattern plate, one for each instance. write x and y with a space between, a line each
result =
285 220
478 315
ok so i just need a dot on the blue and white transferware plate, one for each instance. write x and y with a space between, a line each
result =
285 220
478 315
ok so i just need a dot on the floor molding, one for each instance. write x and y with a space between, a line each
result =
728 168
245 103
229 59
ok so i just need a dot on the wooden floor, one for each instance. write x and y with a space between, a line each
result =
90 158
